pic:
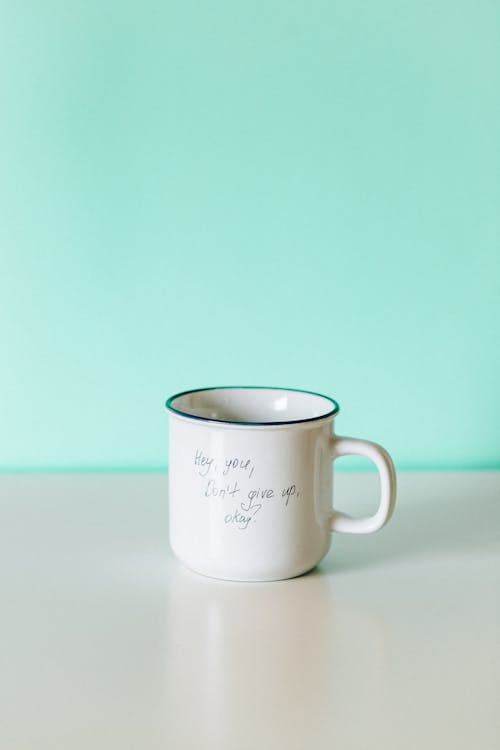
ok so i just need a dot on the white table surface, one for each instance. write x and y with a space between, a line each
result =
106 642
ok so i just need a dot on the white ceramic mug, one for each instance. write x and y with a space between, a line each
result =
250 481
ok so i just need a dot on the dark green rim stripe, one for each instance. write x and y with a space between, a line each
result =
170 407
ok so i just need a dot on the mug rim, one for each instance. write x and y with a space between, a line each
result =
169 406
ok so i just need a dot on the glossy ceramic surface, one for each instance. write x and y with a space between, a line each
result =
250 475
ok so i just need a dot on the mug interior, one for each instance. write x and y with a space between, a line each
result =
252 405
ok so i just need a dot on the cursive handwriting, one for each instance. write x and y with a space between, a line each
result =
240 519
262 494
243 464
288 492
227 479
213 490
203 461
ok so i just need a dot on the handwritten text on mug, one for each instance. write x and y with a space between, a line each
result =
229 479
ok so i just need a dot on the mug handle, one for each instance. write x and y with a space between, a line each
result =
347 446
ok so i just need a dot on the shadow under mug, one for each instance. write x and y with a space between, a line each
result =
250 481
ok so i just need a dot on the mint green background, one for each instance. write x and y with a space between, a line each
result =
289 193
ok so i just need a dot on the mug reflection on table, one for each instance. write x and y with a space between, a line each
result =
257 656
